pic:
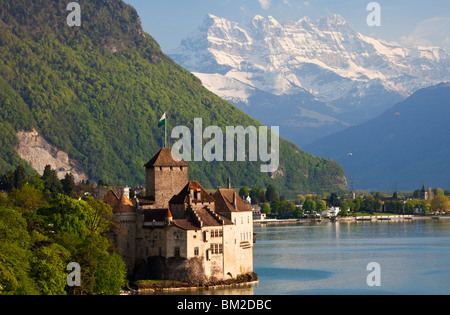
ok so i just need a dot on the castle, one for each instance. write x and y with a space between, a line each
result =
179 231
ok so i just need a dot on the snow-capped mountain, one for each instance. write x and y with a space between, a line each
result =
326 74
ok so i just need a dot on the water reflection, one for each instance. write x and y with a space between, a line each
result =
331 258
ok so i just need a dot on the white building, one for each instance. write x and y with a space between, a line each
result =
331 212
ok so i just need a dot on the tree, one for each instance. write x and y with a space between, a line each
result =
321 205
309 205
265 208
68 184
256 194
20 176
99 215
271 193
48 267
66 215
440 203
27 198
52 185
244 191
14 254
102 270
438 191
334 200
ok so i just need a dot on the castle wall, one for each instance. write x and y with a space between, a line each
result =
239 256
165 182
125 237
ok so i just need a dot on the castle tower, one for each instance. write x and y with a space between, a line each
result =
124 228
165 177
424 193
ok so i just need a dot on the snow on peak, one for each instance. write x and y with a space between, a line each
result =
326 57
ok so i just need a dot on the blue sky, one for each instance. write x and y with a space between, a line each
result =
405 21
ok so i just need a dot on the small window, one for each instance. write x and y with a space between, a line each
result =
196 251
177 252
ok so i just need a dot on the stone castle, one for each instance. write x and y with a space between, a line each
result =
179 231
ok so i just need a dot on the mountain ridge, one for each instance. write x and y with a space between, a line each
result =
97 91
355 76
403 148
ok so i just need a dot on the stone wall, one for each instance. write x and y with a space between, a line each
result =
165 182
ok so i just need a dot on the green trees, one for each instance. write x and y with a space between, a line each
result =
96 92
440 203
271 193
15 244
41 234
309 205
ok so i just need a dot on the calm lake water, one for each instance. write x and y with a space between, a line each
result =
332 258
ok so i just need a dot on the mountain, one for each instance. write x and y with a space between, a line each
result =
404 148
95 94
322 75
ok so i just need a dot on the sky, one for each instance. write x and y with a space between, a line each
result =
408 22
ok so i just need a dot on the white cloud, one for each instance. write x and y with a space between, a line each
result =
429 32
265 4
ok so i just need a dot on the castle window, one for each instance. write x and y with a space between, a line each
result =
216 248
196 251
177 252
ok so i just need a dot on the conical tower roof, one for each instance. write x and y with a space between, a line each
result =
124 206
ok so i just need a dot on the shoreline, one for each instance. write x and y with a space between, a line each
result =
187 288
164 286
348 219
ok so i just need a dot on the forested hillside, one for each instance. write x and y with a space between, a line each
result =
97 92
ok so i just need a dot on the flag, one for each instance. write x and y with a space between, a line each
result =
162 121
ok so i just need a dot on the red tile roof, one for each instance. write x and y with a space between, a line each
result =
183 196
124 205
165 158
224 201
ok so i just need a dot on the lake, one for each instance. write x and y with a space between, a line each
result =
332 258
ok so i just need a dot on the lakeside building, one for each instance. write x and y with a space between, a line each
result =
331 212
179 231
